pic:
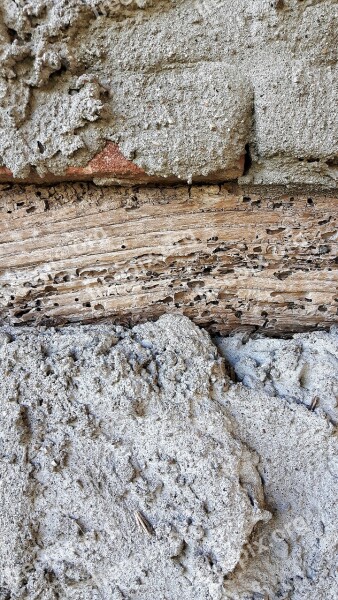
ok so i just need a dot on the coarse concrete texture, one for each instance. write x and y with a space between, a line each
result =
104 430
302 369
183 87
133 467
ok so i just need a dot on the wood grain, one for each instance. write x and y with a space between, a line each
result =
227 257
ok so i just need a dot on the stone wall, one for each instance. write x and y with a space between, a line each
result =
183 88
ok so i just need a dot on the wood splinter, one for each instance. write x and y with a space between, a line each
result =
143 523
314 403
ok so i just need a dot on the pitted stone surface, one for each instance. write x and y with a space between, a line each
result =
183 86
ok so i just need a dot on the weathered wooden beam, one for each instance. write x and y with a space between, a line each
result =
224 256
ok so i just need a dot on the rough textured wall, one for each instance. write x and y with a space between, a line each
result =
134 468
134 463
184 87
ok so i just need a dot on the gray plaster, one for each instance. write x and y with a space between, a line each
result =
237 481
301 370
99 425
182 85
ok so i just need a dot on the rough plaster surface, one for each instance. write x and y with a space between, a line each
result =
101 424
303 369
181 85
236 482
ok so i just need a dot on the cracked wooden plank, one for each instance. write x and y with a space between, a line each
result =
227 257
